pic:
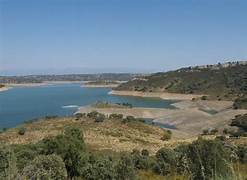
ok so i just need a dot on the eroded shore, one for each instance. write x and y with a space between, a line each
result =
162 95
4 89
190 118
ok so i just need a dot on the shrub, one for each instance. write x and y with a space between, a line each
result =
99 118
69 146
240 103
92 114
80 115
125 168
205 131
102 168
242 154
116 116
46 167
225 131
204 98
25 154
22 131
128 119
145 152
140 161
166 161
8 169
214 131
240 121
208 159
167 135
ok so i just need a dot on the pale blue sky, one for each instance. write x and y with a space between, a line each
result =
88 36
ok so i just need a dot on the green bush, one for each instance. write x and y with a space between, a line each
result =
165 161
125 168
99 118
25 154
128 119
92 114
145 152
167 135
140 160
240 103
78 116
69 146
116 116
102 168
204 98
8 169
242 154
208 159
22 131
45 167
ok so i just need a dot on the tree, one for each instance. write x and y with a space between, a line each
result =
70 146
46 167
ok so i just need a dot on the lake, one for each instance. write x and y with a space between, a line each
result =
25 103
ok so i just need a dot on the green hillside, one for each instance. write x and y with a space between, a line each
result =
222 81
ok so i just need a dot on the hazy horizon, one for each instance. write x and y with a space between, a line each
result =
63 37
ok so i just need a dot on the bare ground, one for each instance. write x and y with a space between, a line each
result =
190 119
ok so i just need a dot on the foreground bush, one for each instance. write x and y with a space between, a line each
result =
8 169
165 161
125 168
70 146
46 167
208 159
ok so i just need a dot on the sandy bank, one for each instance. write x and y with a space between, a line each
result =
45 83
92 84
99 85
4 89
190 119
162 95
27 84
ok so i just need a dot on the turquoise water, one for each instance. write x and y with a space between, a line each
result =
20 104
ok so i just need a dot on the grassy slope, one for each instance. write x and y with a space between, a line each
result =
224 83
111 136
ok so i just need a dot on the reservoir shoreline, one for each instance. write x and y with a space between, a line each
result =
162 95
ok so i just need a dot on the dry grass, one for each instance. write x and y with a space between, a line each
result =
108 135
149 175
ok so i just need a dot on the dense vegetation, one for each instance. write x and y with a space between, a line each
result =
219 82
239 121
67 156
67 77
